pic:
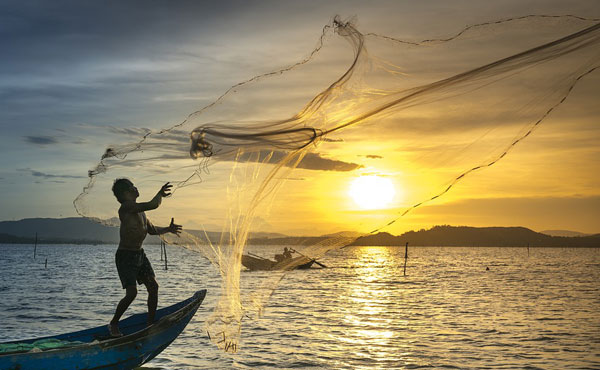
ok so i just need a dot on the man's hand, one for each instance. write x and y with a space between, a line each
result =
165 191
173 227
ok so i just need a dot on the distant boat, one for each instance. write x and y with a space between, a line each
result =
255 263
95 349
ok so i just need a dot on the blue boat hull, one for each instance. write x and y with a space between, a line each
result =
139 344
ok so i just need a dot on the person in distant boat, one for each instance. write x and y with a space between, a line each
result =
283 256
132 263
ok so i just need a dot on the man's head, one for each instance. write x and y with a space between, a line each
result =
124 190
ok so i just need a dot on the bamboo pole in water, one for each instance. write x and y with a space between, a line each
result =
165 248
405 257
35 246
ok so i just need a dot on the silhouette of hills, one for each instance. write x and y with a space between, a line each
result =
77 230
478 237
55 230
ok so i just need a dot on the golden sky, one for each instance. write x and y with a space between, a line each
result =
65 104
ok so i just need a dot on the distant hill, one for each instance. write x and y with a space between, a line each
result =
345 234
76 230
563 233
478 237
287 240
68 230
79 230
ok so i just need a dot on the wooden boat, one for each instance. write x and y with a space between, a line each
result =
95 349
257 263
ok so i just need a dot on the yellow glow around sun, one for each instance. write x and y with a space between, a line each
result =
372 192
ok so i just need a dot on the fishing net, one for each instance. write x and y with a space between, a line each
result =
275 152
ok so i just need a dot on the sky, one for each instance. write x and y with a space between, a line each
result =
78 77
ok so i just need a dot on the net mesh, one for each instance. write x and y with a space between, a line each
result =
432 112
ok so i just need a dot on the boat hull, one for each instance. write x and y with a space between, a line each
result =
138 346
260 264
257 264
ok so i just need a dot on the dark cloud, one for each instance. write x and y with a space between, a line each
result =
41 140
311 161
80 141
47 176
48 140
373 156
66 66
58 32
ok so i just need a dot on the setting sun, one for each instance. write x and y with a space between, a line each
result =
372 192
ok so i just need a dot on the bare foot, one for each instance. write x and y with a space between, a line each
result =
113 330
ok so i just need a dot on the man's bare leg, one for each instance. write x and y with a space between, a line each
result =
130 294
152 287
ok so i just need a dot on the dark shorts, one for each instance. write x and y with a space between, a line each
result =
133 266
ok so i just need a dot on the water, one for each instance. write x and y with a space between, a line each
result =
536 311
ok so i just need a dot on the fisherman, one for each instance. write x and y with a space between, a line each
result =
132 263
287 254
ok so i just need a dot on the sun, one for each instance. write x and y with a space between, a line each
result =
372 192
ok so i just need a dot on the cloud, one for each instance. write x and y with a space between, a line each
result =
373 156
47 176
311 161
79 141
137 133
41 140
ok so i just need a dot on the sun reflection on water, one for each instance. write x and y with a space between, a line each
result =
373 323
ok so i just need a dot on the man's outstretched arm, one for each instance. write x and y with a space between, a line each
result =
157 230
134 207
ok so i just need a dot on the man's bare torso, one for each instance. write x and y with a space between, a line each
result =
134 228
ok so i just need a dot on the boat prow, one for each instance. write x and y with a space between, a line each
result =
95 349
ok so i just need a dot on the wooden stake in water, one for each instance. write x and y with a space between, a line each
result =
165 248
405 257
35 246
162 244
46 264
527 249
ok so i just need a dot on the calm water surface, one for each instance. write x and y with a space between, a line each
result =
537 311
